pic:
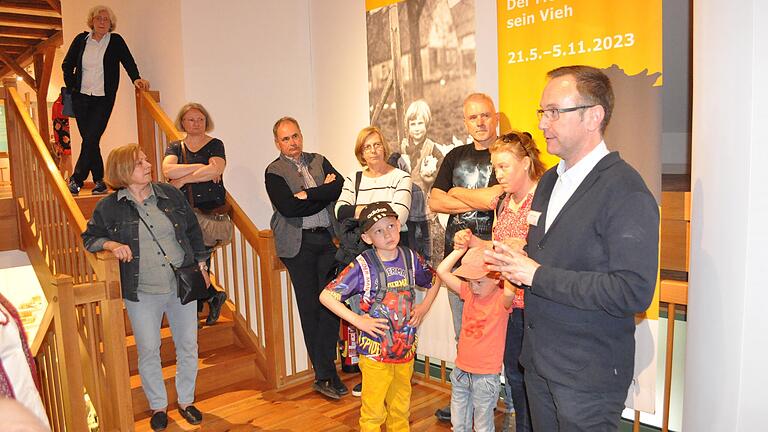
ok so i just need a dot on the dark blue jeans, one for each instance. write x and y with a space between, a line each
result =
513 372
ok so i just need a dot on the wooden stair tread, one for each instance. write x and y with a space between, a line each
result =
165 331
206 360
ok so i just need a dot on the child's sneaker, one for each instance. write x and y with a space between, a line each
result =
357 390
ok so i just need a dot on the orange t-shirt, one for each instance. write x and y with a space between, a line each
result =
483 332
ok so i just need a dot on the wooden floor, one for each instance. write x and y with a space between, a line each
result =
247 408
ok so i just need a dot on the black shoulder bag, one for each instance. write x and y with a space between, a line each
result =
189 280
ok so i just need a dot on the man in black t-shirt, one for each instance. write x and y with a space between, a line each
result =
465 187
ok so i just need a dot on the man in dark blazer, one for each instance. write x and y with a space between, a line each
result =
303 188
591 264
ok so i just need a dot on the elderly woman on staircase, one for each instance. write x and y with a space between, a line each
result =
92 74
150 227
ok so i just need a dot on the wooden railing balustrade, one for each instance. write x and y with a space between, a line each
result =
254 278
82 335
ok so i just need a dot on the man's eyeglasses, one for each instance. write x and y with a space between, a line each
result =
553 114
373 147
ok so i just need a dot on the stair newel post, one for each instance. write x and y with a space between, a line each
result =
13 151
273 309
68 353
115 352
146 129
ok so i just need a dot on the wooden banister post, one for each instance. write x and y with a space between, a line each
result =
68 353
13 153
146 130
115 352
273 309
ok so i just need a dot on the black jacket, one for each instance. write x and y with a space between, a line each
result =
117 52
118 220
599 262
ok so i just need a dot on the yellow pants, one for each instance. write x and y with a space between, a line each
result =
386 395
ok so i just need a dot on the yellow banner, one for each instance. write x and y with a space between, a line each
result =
375 4
536 36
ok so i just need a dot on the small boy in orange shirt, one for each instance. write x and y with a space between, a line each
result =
488 300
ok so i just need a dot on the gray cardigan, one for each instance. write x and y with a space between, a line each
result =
282 180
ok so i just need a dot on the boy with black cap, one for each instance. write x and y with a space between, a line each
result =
388 317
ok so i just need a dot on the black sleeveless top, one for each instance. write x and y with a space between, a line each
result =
206 195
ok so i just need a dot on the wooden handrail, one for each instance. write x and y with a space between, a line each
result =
80 345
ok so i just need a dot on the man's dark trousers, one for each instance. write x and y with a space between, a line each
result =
577 411
309 271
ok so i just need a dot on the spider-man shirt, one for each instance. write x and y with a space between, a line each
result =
361 278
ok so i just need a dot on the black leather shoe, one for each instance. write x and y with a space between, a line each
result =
325 388
339 386
215 303
100 188
74 187
444 414
159 421
191 414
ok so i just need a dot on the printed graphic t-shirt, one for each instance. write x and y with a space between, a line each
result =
360 277
483 332
466 167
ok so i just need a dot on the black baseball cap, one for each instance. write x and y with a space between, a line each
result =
374 212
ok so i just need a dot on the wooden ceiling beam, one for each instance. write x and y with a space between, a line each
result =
14 41
11 50
15 18
11 63
55 5
26 57
29 6
15 31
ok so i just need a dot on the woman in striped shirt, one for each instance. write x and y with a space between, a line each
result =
377 181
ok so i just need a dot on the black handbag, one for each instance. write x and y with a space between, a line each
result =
66 103
189 280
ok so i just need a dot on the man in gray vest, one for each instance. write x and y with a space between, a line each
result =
303 188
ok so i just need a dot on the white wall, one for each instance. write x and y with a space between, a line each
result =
249 63
152 30
727 345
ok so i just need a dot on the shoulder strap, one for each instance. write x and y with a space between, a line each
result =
500 203
358 180
381 273
190 197
156 241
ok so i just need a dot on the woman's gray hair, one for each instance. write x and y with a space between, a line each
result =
97 10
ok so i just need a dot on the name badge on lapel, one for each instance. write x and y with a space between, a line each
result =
533 217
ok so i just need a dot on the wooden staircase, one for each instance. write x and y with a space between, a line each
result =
223 360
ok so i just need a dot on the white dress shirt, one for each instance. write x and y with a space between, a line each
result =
569 180
93 65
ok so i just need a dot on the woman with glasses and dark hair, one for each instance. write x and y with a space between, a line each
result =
518 167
